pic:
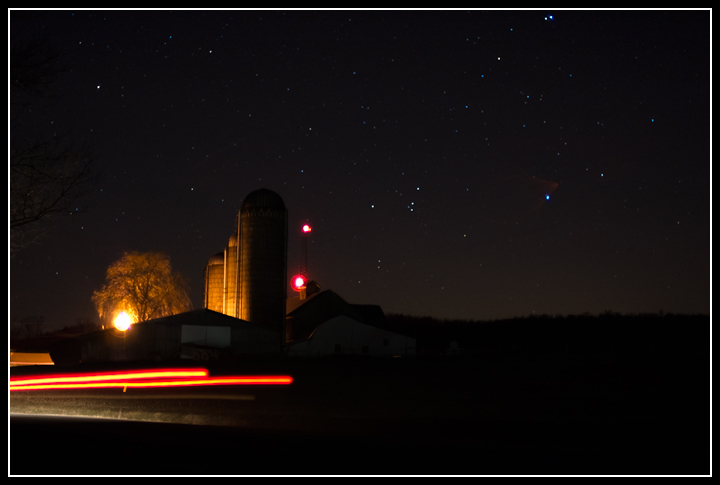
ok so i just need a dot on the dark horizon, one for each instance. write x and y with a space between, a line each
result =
473 165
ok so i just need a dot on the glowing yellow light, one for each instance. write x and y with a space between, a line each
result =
122 321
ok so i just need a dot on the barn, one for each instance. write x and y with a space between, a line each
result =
343 335
317 324
198 334
322 324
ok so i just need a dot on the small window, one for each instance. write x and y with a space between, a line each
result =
365 349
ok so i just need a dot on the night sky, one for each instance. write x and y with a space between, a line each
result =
421 145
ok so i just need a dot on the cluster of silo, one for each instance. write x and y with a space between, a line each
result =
230 288
214 283
254 264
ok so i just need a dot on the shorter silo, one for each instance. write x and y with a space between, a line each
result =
214 282
231 278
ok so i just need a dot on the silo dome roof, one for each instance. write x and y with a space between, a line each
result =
218 258
263 198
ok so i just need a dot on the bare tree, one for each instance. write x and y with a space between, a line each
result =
47 174
46 179
144 286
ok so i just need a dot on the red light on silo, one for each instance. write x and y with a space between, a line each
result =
304 228
298 282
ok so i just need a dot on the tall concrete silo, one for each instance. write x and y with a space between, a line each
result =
214 282
230 287
263 229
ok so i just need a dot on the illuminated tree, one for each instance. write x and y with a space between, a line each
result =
144 286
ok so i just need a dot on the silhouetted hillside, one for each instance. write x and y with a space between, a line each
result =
604 335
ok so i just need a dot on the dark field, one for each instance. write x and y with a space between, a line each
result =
647 415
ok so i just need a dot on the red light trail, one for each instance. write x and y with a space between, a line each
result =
110 376
144 379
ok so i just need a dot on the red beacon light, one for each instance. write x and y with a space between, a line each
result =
298 282
304 228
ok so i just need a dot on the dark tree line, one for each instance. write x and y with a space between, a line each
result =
606 335
32 332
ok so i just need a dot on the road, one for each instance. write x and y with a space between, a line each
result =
379 418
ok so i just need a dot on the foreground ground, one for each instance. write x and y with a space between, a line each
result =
648 416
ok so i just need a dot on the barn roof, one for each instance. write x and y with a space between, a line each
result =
202 317
294 302
320 307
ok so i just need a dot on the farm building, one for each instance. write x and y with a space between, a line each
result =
322 324
198 334
343 335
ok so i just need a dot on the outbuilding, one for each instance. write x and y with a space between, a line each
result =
198 334
343 335
322 323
